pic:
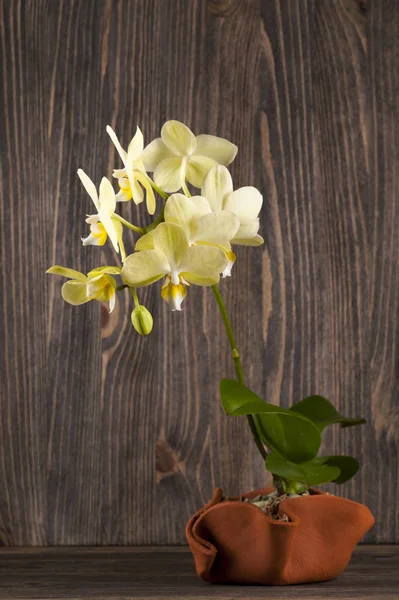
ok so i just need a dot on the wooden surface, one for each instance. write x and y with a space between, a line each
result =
108 438
122 573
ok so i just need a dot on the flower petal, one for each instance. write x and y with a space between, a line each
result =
122 153
125 192
138 194
247 230
257 240
102 288
96 286
150 201
109 270
136 146
167 175
178 138
173 294
185 211
119 173
89 187
75 293
65 272
93 240
99 231
231 257
155 153
109 226
107 197
197 168
202 265
145 242
145 267
172 241
216 228
123 196
150 196
111 299
134 151
221 150
217 186
244 202
118 227
92 219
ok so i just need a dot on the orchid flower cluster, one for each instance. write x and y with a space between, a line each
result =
189 242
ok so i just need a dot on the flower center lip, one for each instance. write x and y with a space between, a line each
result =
174 277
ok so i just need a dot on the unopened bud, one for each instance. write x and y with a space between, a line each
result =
142 320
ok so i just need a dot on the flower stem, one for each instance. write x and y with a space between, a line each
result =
139 230
156 221
163 194
135 297
237 364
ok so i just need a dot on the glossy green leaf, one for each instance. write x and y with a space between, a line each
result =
322 469
310 473
291 435
323 413
347 465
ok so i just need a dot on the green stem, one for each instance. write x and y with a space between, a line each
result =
156 222
139 230
163 194
237 364
135 297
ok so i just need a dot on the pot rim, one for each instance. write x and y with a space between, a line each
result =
216 503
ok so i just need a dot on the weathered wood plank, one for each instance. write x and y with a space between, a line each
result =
24 216
340 108
383 204
118 574
108 438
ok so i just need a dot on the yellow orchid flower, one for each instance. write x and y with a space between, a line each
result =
102 224
179 155
201 226
171 256
96 285
133 173
245 203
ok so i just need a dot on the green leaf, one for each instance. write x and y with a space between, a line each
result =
322 469
310 473
291 435
347 465
323 413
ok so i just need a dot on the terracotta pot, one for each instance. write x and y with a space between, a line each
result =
235 542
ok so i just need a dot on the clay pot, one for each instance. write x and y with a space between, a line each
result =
235 542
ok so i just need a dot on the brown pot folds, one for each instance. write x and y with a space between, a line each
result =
236 542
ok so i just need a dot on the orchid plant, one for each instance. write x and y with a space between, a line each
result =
190 243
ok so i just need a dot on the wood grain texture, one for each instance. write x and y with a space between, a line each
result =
111 439
154 573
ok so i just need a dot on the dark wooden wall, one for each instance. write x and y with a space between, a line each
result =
108 438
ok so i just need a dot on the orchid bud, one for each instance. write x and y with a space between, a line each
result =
142 320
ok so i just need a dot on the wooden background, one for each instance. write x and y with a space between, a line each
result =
108 438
